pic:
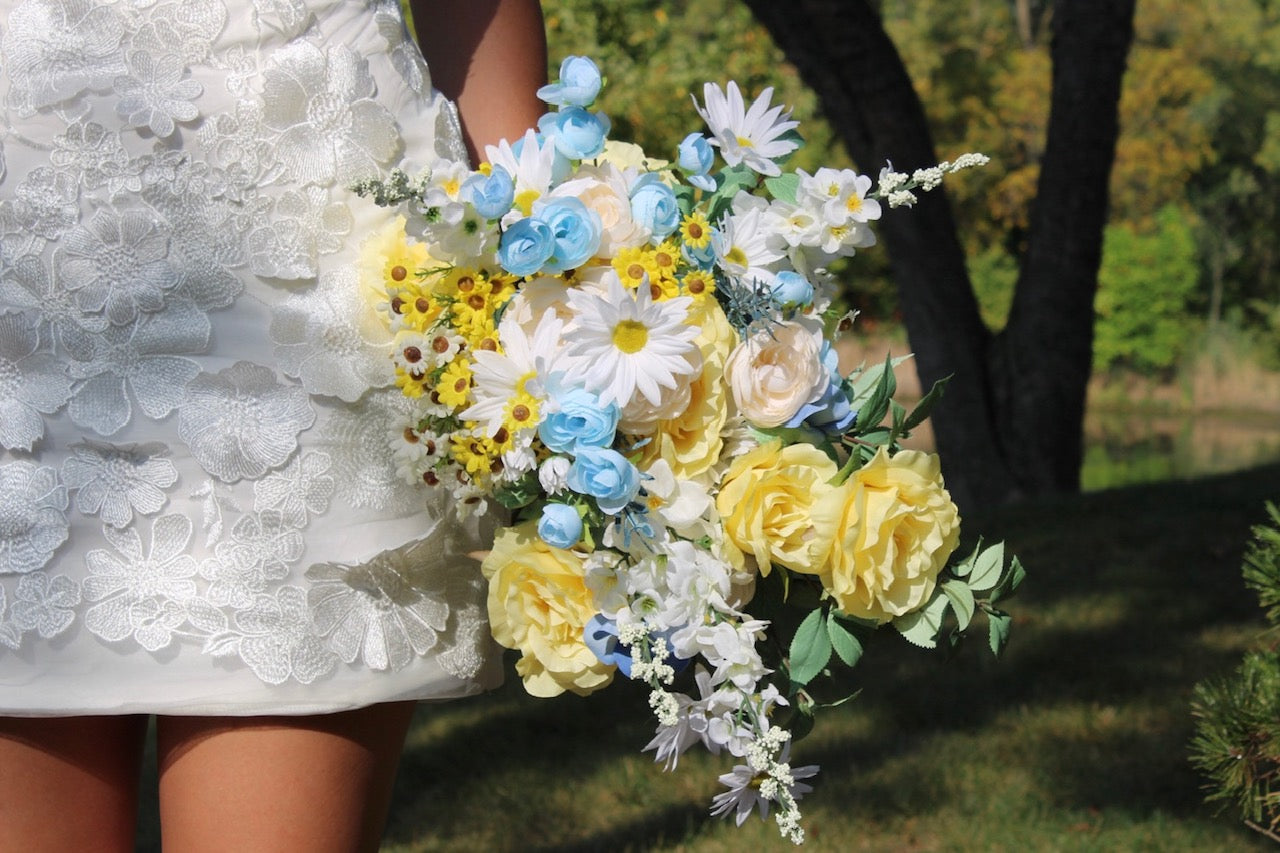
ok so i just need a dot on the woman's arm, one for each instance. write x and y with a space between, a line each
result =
488 56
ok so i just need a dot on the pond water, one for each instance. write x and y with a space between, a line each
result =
1124 448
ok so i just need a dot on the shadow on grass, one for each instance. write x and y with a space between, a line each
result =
1132 597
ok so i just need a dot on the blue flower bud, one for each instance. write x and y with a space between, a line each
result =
526 246
792 290
654 206
580 421
578 85
491 195
576 133
605 475
560 526
575 230
695 157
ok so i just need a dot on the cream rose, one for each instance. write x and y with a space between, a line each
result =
777 503
539 604
776 371
603 189
899 527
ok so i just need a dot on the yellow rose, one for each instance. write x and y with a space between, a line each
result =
777 504
899 527
539 604
691 442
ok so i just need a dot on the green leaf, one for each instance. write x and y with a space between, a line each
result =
986 568
846 643
925 406
1012 577
810 648
863 380
965 566
961 598
784 187
998 624
920 627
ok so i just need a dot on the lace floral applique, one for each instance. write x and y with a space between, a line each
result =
383 613
117 264
44 604
306 224
138 359
115 481
32 383
332 340
138 591
405 56
157 93
241 422
364 471
275 638
29 286
33 520
89 153
46 203
58 49
300 489
320 102
260 549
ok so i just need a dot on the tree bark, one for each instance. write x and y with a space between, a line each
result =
1011 421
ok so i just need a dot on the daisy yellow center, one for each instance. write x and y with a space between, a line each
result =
736 256
854 204
630 336
451 187
744 142
525 200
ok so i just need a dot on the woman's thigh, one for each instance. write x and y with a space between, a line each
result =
70 783
279 784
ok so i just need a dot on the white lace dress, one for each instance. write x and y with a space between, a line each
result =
199 509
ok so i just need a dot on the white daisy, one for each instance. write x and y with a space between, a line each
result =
743 246
750 136
530 165
502 379
624 343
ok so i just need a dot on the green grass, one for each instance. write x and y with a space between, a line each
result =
1075 741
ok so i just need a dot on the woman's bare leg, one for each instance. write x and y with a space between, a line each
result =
279 784
70 783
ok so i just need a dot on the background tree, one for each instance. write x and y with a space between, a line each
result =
1012 421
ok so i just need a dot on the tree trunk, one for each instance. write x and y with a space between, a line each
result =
1011 421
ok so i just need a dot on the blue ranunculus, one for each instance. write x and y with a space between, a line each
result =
576 133
580 421
575 230
654 206
830 412
695 157
605 475
560 525
491 195
578 85
526 246
792 290
703 259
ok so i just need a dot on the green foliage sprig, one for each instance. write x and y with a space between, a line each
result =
1237 740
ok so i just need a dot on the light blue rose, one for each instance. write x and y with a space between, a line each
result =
703 259
578 85
576 133
605 475
581 421
654 206
526 246
575 230
560 526
695 157
792 290
491 195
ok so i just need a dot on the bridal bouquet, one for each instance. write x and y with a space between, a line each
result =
637 358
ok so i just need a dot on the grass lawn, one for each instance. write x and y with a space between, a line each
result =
1076 740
